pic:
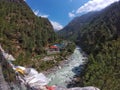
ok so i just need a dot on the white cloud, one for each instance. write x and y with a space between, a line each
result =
71 14
94 5
57 26
37 12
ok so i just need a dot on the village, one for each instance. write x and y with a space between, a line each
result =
52 51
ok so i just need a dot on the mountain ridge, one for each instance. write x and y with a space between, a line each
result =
78 23
75 25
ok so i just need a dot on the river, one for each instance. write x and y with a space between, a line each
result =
63 75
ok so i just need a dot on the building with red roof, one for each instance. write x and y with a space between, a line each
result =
54 48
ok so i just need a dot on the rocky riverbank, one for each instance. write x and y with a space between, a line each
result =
67 69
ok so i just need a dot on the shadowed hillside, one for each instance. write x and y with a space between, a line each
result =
98 33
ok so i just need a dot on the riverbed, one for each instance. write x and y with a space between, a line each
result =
67 71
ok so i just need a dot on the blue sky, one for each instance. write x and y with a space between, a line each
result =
61 12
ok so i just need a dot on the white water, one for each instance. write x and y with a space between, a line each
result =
62 76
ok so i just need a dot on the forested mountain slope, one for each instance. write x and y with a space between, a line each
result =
106 20
105 27
71 30
99 37
22 33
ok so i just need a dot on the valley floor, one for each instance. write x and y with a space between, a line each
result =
65 72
